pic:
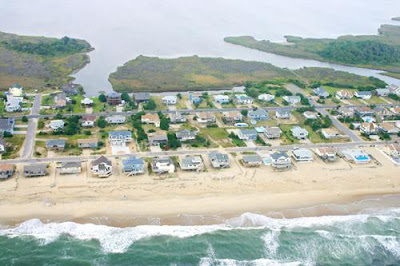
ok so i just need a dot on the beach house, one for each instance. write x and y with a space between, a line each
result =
382 92
195 97
344 94
162 165
88 143
272 132
251 160
266 97
119 138
88 121
101 167
69 168
364 95
35 170
218 160
158 139
247 134
16 90
177 117
258 115
60 100
331 133
356 156
114 98
282 114
232 116
185 135
70 89
56 125
55 144
242 99
13 104
6 170
141 97
302 155
116 119
310 115
368 128
389 128
364 111
321 93
169 100
206 117
221 99
280 160
133 166
191 163
292 100
327 153
394 150
7 125
87 102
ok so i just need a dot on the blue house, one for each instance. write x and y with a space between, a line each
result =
247 134
195 97
133 165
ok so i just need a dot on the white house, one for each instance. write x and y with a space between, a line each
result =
101 167
119 138
13 103
243 99
2 146
368 128
162 165
56 124
292 100
266 97
302 155
169 100
331 133
16 90
116 119
365 95
283 114
310 115
150 118
87 102
280 160
344 94
299 132
191 163
382 92
88 121
327 153
222 99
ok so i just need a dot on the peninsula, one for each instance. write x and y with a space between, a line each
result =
39 62
380 51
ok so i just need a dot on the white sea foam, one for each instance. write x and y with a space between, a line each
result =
257 262
271 242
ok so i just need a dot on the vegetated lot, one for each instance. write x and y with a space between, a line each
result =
219 135
40 62
14 145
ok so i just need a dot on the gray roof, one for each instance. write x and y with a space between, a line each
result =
273 130
364 93
185 133
258 112
55 142
125 133
253 158
162 160
248 131
302 152
283 111
321 91
191 159
2 142
133 160
6 124
114 95
221 157
39 167
100 160
71 164
278 154
142 96
158 137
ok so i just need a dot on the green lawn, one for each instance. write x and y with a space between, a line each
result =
159 103
181 104
376 100
14 145
287 135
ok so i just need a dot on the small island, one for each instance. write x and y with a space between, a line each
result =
368 51
200 73
396 18
39 62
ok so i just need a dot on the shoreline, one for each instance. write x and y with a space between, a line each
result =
128 213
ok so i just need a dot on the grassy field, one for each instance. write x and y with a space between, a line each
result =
39 62
370 51
14 145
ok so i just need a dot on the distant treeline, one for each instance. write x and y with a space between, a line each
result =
56 47
361 52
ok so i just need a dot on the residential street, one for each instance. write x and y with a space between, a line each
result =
31 132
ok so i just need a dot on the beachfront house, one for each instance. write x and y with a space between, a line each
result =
283 114
232 116
6 170
221 99
186 135
272 132
191 163
321 93
356 156
331 133
133 166
114 98
364 95
302 155
169 100
119 138
251 160
177 117
88 143
247 134
101 167
218 160
344 94
265 97
327 153
158 139
13 104
206 117
162 165
7 125
150 118
258 115
35 170
280 160
69 168
88 121
299 132
3 146
56 125
142 97
55 144
292 100
242 99
16 90
116 119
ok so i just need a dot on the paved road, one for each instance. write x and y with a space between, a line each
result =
31 132
199 151
341 127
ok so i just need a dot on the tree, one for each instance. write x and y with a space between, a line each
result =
150 105
102 98
101 122
125 97
244 112
24 119
164 122
7 134
173 142
179 95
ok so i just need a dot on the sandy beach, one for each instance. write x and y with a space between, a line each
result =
197 198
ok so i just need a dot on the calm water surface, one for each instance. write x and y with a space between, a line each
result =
120 30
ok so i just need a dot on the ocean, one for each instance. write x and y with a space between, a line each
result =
251 239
